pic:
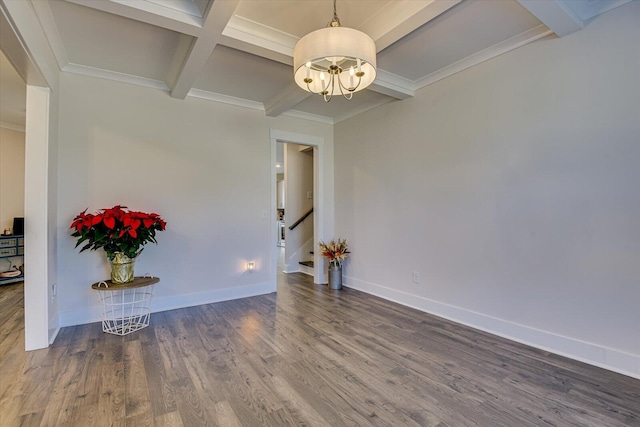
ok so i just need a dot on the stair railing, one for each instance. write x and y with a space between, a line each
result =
302 218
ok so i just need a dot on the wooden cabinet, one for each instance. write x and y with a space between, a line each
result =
10 247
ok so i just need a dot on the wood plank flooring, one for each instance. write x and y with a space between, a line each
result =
306 356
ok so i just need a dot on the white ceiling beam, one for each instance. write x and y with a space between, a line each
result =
202 47
147 12
555 15
589 9
289 97
399 18
255 50
392 85
257 34
48 22
25 44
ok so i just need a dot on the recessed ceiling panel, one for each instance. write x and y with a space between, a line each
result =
299 17
338 106
102 40
13 94
464 30
243 75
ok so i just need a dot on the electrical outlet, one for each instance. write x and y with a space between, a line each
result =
309 195
416 277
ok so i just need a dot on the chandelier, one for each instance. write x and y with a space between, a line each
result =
334 60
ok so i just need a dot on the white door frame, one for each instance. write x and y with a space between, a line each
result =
36 208
319 197
24 44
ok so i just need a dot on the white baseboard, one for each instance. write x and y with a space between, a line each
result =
302 270
291 268
306 270
91 315
593 354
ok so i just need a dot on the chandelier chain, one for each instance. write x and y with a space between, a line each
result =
335 22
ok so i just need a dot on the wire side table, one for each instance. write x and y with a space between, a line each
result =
125 307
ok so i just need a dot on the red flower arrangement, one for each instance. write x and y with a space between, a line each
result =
116 230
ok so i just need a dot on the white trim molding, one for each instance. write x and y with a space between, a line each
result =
484 55
592 354
116 76
12 126
225 99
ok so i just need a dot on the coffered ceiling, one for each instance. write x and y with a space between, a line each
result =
240 51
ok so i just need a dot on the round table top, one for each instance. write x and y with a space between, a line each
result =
137 282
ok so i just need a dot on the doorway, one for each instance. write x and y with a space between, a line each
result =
297 185
13 95
318 198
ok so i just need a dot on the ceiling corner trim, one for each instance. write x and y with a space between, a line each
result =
260 35
50 28
291 96
115 76
12 126
225 99
309 116
149 14
498 49
392 85
169 9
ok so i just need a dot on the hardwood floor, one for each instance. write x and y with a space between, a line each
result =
306 356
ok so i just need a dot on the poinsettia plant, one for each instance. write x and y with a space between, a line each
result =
117 229
335 252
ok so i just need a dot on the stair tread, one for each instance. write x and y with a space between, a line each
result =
307 263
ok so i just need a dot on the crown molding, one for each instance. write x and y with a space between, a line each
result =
148 12
50 28
286 99
263 36
116 76
309 116
225 99
484 55
12 126
392 85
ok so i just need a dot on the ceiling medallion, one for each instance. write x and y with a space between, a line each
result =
334 60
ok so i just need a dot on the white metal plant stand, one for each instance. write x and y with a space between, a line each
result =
126 307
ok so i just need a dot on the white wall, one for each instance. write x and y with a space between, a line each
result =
513 189
11 177
204 166
298 181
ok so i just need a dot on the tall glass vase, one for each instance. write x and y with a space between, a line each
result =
122 268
